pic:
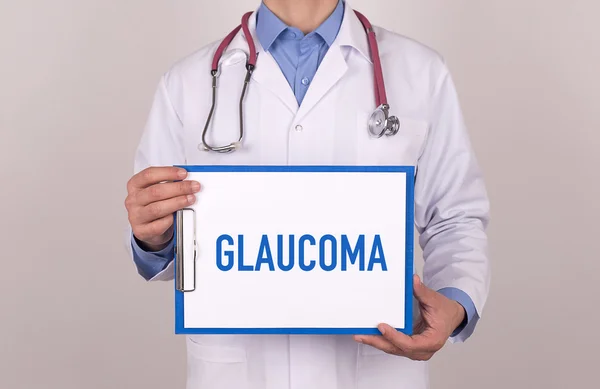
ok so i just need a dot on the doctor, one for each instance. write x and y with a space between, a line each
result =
309 100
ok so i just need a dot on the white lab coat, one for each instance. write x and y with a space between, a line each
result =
330 128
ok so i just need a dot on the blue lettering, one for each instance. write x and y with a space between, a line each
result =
322 254
290 264
359 251
332 255
303 266
380 259
228 253
241 266
264 254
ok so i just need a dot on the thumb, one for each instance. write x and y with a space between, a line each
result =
422 293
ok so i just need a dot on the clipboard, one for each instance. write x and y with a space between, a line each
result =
295 250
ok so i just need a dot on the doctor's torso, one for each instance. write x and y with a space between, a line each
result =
329 127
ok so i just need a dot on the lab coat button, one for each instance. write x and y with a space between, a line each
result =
298 128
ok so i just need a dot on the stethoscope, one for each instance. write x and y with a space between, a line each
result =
380 122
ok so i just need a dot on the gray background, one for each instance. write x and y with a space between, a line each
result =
77 81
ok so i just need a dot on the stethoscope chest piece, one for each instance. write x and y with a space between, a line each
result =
380 123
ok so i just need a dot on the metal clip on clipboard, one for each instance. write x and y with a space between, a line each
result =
185 252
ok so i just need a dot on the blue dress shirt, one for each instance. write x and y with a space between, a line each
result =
298 56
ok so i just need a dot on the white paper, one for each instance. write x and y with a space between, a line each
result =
340 204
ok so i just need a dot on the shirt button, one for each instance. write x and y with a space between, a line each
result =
298 128
305 81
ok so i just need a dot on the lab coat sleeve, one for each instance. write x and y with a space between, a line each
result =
161 144
452 207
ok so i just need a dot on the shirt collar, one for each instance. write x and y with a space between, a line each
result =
269 26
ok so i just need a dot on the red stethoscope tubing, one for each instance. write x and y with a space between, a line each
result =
380 94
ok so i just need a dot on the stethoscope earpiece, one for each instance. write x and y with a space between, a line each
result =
221 149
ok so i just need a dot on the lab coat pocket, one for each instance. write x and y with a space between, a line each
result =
404 149
214 366
378 369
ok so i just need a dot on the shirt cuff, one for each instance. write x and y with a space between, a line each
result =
467 303
150 263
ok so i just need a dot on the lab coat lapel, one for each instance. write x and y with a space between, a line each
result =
330 71
334 66
267 73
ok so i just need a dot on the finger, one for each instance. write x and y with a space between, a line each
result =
146 232
164 191
379 343
160 209
428 340
387 347
423 294
154 175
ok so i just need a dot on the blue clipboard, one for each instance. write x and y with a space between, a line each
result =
180 294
